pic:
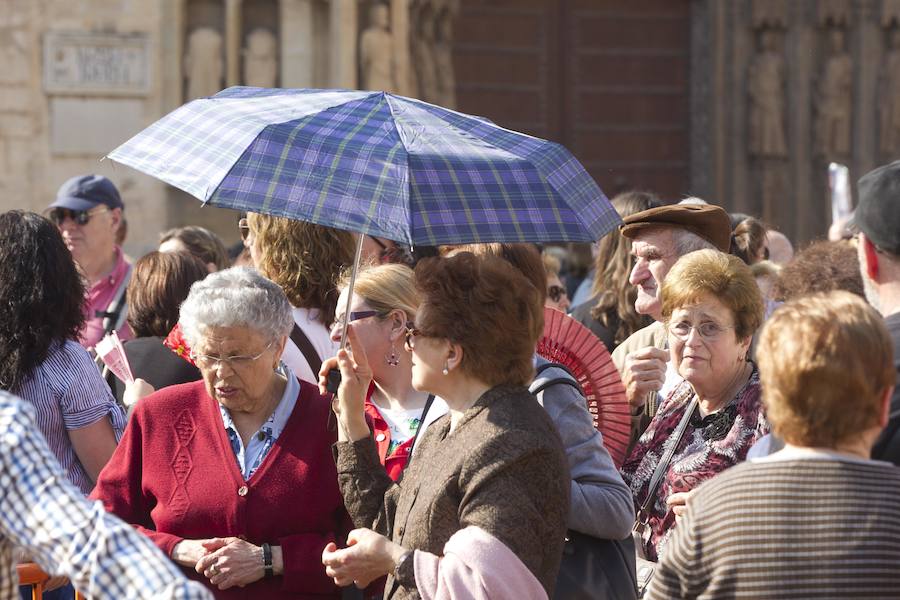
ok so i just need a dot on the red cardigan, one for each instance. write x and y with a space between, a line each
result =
175 476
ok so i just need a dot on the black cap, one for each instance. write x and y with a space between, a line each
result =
84 192
878 213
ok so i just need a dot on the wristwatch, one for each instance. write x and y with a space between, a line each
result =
403 564
267 560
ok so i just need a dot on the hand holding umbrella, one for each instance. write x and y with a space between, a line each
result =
356 376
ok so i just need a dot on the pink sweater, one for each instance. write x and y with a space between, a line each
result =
174 476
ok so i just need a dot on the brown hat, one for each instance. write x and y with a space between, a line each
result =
708 221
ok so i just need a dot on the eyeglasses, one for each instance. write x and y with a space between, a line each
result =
556 292
205 361
708 330
244 227
411 333
58 216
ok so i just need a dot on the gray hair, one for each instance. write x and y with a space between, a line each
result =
685 242
235 297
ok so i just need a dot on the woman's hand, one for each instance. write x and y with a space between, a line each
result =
367 557
356 375
678 503
231 562
135 391
188 552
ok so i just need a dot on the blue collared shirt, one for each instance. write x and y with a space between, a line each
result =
259 444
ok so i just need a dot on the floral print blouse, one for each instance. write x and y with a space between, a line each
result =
709 446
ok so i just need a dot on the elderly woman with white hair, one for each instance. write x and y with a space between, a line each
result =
232 476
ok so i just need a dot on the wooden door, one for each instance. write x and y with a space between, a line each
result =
606 78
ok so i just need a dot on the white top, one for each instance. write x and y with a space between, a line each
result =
320 338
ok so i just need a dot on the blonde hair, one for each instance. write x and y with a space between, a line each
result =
303 258
385 288
825 361
723 276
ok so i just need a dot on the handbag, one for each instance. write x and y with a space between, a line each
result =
596 569
645 568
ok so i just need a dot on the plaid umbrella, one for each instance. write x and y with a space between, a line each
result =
374 163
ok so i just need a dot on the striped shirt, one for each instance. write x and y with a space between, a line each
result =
797 524
67 392
44 514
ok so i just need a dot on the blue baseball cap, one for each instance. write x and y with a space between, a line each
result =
84 192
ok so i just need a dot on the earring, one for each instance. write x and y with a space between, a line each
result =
392 359
446 369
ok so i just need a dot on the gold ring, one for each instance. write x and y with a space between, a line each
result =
214 569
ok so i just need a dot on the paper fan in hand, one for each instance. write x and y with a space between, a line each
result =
568 342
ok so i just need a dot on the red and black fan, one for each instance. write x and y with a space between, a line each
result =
568 342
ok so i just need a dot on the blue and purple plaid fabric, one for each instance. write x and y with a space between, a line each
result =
375 163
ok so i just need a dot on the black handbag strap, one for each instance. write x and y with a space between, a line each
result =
663 464
421 426
306 348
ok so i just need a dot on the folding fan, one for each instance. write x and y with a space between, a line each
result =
568 342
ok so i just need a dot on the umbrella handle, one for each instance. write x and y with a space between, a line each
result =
334 375
333 380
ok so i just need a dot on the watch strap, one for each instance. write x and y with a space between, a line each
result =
267 560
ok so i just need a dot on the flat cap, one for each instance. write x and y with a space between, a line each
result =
706 220
878 212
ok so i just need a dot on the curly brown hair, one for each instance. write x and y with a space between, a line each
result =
612 267
303 258
820 267
160 281
487 306
41 294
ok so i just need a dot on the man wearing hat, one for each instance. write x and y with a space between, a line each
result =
659 237
877 220
88 213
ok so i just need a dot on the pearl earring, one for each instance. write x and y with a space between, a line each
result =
446 369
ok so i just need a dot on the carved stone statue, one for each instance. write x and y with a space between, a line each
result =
890 96
261 59
834 100
443 57
203 64
376 52
423 53
766 91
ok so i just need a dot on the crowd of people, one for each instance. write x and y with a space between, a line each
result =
453 461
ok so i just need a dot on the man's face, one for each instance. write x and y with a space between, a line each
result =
94 239
654 253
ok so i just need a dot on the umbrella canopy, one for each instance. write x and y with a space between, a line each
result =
374 163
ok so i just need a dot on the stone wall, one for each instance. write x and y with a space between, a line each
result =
80 77
779 90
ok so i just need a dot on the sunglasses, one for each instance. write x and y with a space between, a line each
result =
556 292
58 216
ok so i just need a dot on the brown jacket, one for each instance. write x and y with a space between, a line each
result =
502 469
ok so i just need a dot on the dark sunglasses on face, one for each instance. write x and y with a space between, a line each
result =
556 292
58 216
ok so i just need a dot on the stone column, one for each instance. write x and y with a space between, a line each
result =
344 32
232 42
400 32
172 43
297 53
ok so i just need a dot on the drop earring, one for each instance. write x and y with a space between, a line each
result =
392 359
446 369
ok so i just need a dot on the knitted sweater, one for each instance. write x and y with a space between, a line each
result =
174 476
788 526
